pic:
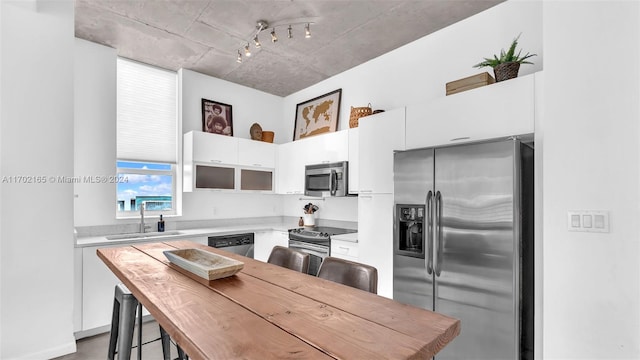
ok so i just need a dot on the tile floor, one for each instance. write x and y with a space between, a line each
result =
96 347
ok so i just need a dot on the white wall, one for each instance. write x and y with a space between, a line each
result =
94 131
248 105
419 70
590 162
37 218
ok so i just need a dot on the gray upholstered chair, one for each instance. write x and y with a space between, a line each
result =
350 273
290 259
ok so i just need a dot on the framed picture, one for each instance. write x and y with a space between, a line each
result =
217 118
318 115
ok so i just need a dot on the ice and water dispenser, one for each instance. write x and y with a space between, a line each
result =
410 230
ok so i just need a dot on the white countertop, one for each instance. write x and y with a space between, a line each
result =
352 237
185 234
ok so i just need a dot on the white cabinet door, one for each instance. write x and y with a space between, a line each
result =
266 240
290 168
325 148
256 153
210 148
493 111
344 249
375 237
380 135
98 286
354 160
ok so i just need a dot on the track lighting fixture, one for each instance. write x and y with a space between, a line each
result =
263 25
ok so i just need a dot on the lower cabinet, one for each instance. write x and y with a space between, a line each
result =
264 241
375 237
98 284
346 250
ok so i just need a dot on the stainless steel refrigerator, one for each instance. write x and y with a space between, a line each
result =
463 243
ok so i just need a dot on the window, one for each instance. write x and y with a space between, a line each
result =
150 183
147 143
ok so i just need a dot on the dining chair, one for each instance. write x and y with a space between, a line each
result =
289 258
350 273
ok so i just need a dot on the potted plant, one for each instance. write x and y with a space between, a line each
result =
506 65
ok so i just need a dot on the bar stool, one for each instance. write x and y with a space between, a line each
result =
123 321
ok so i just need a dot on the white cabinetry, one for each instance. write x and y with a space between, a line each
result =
345 246
290 173
256 153
380 135
375 237
326 148
293 156
498 110
264 242
354 160
210 148
217 162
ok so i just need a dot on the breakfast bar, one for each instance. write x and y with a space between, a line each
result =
269 312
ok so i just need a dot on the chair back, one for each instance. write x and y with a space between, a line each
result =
290 259
350 273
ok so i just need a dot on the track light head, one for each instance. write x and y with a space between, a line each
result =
274 37
307 31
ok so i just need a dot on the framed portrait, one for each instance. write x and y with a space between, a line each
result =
318 115
217 118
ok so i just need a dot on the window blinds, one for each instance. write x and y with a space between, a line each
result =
146 113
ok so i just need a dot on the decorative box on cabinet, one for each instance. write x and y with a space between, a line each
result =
502 109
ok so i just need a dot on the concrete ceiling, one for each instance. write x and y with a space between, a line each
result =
205 35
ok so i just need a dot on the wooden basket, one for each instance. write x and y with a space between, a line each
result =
357 113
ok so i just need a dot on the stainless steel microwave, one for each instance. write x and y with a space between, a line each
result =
331 179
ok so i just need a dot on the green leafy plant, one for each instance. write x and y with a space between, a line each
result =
507 56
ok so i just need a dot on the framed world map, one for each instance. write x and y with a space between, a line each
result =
318 115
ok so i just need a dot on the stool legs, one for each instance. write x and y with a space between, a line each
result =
122 324
166 344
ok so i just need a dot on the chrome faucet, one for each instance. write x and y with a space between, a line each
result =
142 227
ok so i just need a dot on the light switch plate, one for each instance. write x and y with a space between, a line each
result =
588 221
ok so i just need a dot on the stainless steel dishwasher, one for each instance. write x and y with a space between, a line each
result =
241 244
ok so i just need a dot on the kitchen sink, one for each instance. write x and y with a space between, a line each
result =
142 235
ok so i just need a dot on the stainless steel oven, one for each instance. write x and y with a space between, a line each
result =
315 241
317 253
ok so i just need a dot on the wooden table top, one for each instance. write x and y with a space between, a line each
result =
269 312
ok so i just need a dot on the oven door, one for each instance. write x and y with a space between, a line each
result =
316 252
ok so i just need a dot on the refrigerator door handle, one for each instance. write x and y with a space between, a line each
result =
429 255
438 213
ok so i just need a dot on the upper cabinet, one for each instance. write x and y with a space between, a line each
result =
216 162
210 148
502 109
319 149
256 153
380 135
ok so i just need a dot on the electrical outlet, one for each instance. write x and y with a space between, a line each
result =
588 221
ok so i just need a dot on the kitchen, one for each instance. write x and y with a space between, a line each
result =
566 153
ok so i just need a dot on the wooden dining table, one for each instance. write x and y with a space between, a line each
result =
270 312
